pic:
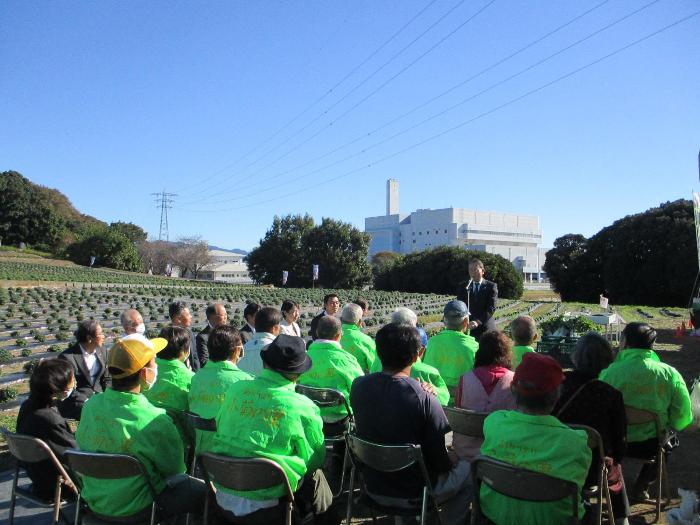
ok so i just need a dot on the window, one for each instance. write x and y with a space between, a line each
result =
445 231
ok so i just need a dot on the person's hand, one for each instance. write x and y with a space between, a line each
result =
428 388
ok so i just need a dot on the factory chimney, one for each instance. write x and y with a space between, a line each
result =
392 197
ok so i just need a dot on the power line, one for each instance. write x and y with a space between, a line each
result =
319 99
438 114
466 122
164 201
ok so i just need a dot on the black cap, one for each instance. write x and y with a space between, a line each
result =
286 354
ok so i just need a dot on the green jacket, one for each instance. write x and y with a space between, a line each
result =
207 393
334 368
359 345
649 384
452 353
518 353
541 444
427 374
126 423
266 418
172 386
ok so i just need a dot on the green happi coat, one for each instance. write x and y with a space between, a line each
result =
172 386
518 352
452 353
360 345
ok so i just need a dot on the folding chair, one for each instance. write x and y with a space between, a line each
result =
327 398
244 474
197 422
602 489
110 466
638 416
388 459
28 449
518 483
467 422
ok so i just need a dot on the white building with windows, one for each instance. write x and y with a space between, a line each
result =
514 236
227 267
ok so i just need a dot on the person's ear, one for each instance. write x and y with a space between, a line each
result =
414 359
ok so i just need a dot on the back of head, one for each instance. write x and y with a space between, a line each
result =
251 309
639 335
176 308
49 378
495 349
178 342
523 330
210 311
592 354
536 383
86 330
128 357
454 315
362 304
398 346
223 341
403 315
351 314
266 319
328 327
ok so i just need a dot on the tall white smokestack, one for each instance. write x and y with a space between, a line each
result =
392 197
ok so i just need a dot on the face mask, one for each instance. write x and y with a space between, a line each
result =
141 328
149 385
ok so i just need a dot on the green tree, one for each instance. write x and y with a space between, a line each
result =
571 270
443 269
110 247
134 233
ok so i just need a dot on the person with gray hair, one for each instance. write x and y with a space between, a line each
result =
523 331
452 351
353 340
403 315
132 322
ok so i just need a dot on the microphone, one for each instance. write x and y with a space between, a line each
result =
469 283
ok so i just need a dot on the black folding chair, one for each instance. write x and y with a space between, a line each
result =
520 484
28 449
110 466
467 422
244 474
197 422
328 398
388 459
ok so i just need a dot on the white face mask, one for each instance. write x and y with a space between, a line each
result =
149 384
141 328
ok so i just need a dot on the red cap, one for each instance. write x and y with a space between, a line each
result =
542 374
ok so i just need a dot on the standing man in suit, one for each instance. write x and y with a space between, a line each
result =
331 305
247 331
480 296
88 359
180 316
216 316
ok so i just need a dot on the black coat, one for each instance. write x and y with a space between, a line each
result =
314 325
84 386
47 424
202 345
193 359
481 304
246 333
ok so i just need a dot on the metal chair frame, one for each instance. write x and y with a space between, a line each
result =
28 449
108 466
328 398
519 483
638 416
388 459
198 422
602 489
467 422
244 474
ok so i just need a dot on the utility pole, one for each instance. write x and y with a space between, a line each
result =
164 201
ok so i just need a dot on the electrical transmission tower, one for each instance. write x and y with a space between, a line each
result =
164 201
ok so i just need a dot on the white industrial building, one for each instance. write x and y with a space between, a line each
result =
514 236
227 267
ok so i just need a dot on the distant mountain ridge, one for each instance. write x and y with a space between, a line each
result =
235 250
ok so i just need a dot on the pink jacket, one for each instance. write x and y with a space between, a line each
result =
474 397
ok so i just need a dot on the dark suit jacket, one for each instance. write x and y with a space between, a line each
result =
246 333
314 324
481 304
202 346
84 387
48 425
193 359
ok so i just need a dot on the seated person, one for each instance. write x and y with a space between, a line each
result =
121 420
267 327
585 400
452 350
531 438
266 418
88 359
174 378
486 388
523 330
354 340
333 367
648 384
391 408
51 382
422 372
210 383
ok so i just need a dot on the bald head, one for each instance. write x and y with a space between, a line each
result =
131 319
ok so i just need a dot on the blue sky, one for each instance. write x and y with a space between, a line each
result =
251 109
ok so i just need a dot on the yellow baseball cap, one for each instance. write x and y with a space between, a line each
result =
131 355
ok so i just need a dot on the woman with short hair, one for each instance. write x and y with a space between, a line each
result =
290 316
